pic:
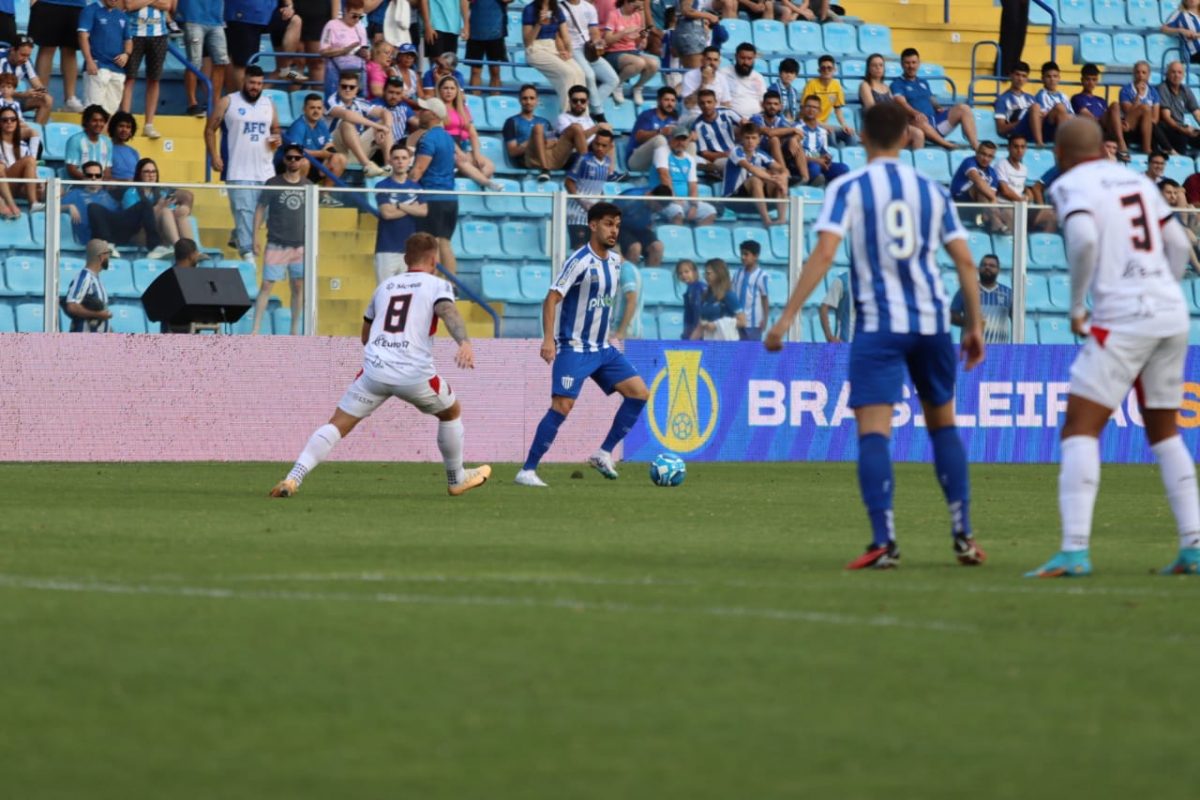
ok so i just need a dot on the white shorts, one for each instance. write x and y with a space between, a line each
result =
365 395
703 210
1111 363
387 265
104 89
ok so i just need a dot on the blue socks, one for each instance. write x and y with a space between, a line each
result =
547 429
626 416
950 463
875 481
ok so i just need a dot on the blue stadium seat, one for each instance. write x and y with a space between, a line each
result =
480 239
980 244
507 202
670 325
1179 168
1038 161
1096 48
853 156
1167 8
547 105
1109 13
621 117
1143 14
522 240
780 242
1060 290
1002 246
55 143
499 108
958 156
1038 15
716 242
1037 294
1075 13
146 270
876 39
127 318
933 162
493 148
470 202
502 283
16 233
1046 251
770 37
677 242
1193 331
658 288
68 271
281 321
951 284
543 205
296 103
25 275
803 37
1157 47
1129 48
777 287
283 105
985 124
840 39
30 318
813 197
760 235
118 279
739 31
535 282
478 113
8 320
1055 330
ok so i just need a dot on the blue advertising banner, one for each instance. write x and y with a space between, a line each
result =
734 401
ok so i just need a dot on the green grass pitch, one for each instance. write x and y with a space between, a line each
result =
166 630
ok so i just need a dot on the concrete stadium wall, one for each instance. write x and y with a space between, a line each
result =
67 397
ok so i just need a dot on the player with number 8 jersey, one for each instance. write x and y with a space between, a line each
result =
397 334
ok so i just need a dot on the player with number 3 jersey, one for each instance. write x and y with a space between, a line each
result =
896 220
397 335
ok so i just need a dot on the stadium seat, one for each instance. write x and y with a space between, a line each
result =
1075 13
8 320
68 270
470 200
770 37
670 325
55 143
951 284
25 275
505 203
739 31
502 283
621 117
477 111
1055 330
1060 291
1193 331
1179 168
145 269
16 233
127 318
1038 15
658 287
1143 14
498 108
522 240
281 321
1129 48
296 102
535 282
840 39
813 197
958 156
778 289
876 39
760 235
493 148
1157 47
716 242
853 156
283 106
118 279
543 204
480 239
985 125
1046 251
1037 161
933 162
1109 13
780 242
980 244
1037 294
803 37
677 242
1002 246
1095 48
30 318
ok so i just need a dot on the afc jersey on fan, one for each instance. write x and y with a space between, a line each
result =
399 348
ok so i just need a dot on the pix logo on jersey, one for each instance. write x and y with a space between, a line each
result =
690 417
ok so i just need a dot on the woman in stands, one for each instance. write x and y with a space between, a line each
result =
693 31
379 68
1185 23
468 155
344 44
15 162
693 292
721 315
548 47
314 16
406 58
171 209
624 41
583 28
873 90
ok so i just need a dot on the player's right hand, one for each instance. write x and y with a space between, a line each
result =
547 352
774 340
465 357
971 350
1080 326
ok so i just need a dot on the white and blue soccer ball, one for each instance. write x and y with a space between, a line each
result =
667 470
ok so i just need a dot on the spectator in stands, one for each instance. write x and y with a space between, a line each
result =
1138 108
1014 22
721 315
873 90
750 172
285 28
693 30
976 181
357 127
104 29
245 23
781 139
548 46
645 138
533 143
583 29
693 291
8 21
577 115
344 44
1086 103
1016 112
400 207
716 131
406 57
750 286
135 225
36 97
76 202
676 167
625 30
629 302
312 133
485 42
914 93
996 300
378 68
637 238
86 301
148 36
1179 111
814 141
54 26
790 97
838 299
708 75
1184 22
16 162
1176 198
172 208
314 16
746 87
443 20
468 153
8 91
433 169
445 65
1014 175
121 129
1055 107
90 144
398 112
204 36
1156 165
828 90
587 177
283 212
251 128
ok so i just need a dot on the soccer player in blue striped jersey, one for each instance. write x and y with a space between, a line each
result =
576 317
896 219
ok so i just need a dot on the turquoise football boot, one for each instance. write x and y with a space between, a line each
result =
1075 564
1186 563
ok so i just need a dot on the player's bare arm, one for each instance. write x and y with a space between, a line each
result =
549 307
814 271
968 278
447 312
1082 241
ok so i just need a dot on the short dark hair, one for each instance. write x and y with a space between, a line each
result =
711 49
1159 154
987 144
813 97
1090 70
771 94
748 128
1163 183
84 166
578 88
601 210
666 90
308 98
750 246
1017 136
662 190
603 133
397 146
746 47
826 59
525 86
1050 65
1020 66
789 65
120 117
705 93
254 71
908 51
92 111
288 148
992 256
884 124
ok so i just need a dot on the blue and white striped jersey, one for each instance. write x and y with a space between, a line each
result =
147 21
896 219
589 174
736 174
720 135
87 288
814 141
1048 100
588 285
1188 21
749 287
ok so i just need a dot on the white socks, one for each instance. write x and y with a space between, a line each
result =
450 442
1179 479
1078 483
318 447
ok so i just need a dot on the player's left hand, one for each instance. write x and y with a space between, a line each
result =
971 350
465 357
1080 326
774 340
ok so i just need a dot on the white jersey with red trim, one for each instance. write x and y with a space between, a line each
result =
1133 288
399 349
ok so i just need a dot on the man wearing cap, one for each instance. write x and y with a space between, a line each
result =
86 301
750 287
433 169
676 167
356 126
283 211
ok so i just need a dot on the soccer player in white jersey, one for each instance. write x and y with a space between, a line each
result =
576 320
896 218
397 336
1125 246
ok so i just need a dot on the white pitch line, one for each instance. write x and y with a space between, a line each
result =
218 593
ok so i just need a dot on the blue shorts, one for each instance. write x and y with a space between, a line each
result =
878 359
941 121
1024 128
607 368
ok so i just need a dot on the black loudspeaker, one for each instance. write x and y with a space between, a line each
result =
182 295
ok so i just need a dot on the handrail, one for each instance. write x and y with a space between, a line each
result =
1053 26
181 56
